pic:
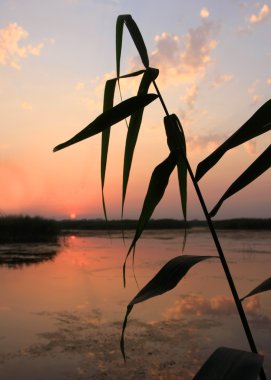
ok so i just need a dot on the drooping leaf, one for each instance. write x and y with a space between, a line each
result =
157 186
109 118
109 93
259 123
138 39
263 287
119 33
136 36
176 141
166 279
258 167
133 129
231 364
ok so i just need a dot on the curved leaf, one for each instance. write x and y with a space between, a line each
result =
259 123
109 118
119 33
166 279
258 167
157 186
133 129
176 141
263 287
109 93
138 39
231 364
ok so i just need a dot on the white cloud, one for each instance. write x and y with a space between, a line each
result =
263 14
204 13
221 79
199 143
182 59
11 51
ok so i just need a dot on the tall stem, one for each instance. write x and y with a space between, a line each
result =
223 260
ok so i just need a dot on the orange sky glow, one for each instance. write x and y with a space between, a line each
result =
214 64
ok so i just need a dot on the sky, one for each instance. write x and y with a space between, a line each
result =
214 59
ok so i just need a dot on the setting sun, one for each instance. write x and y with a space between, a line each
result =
72 215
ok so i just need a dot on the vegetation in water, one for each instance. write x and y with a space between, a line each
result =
225 363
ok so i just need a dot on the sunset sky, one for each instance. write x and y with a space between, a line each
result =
214 59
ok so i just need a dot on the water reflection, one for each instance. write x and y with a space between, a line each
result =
62 320
19 255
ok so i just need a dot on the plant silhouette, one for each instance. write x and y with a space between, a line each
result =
225 363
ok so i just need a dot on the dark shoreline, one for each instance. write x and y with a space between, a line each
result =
163 224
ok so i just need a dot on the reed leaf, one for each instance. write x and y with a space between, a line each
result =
263 287
258 167
166 279
157 186
109 92
133 130
231 364
176 141
259 123
109 118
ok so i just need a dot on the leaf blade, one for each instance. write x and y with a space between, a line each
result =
138 39
263 287
109 118
166 279
133 130
231 364
258 167
259 123
157 186
176 141
109 93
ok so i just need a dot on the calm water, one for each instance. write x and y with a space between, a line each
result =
61 315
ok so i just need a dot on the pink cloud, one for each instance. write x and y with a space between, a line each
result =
11 51
263 14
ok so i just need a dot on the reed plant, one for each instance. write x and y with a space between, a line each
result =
224 363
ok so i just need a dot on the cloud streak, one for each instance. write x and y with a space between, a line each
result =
263 15
11 50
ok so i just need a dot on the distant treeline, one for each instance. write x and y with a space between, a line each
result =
26 229
156 224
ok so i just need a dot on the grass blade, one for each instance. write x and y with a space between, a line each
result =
109 118
119 34
176 141
231 364
166 279
263 287
157 186
133 130
258 167
109 93
258 124
138 39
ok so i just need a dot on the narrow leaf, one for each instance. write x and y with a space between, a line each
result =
166 279
259 123
258 167
157 186
119 34
138 39
176 141
109 118
109 93
231 364
133 129
263 287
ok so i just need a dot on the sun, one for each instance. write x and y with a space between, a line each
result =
72 215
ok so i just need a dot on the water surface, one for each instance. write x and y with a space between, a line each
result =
61 316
